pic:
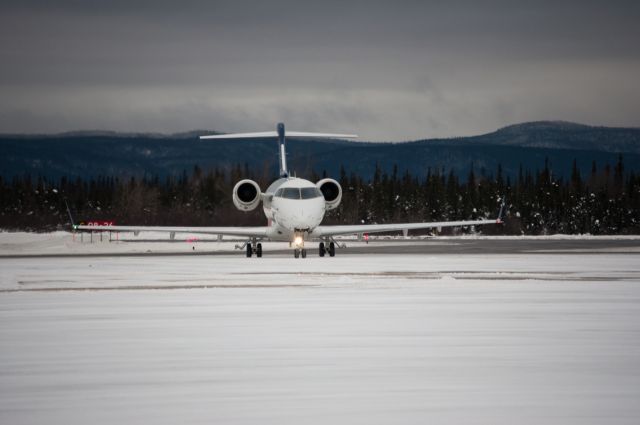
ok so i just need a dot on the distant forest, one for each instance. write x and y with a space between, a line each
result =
607 201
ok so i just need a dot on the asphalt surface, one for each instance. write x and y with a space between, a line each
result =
433 246
501 246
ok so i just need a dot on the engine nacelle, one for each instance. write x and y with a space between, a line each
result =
331 191
246 195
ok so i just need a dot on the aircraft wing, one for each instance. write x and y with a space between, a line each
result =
250 232
378 228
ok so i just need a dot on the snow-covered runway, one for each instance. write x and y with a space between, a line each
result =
543 338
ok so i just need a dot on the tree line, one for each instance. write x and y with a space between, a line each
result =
607 201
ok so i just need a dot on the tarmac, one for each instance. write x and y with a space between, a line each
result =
432 246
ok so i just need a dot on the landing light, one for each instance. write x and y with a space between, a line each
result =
298 240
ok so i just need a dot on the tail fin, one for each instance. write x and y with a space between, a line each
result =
282 153
280 134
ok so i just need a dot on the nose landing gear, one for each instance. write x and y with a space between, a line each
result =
326 246
298 245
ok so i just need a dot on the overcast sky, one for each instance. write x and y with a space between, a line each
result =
387 70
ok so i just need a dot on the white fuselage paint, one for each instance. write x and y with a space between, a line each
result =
291 217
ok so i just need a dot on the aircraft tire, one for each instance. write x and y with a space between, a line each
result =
304 253
296 253
249 250
332 249
321 250
259 250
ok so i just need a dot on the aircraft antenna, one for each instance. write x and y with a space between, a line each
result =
73 225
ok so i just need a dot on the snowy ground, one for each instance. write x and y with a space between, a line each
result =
357 339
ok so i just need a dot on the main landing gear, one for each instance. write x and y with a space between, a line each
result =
251 250
322 249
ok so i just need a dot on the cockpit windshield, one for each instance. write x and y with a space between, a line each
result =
291 193
298 193
310 192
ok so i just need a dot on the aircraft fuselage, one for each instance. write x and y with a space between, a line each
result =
294 207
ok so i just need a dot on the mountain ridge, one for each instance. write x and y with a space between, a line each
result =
511 129
94 153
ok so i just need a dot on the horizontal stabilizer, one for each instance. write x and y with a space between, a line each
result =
321 135
298 134
242 135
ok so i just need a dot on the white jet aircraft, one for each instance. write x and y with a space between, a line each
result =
294 208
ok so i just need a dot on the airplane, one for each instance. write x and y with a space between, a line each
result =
294 208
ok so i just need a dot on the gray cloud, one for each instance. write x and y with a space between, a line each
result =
387 70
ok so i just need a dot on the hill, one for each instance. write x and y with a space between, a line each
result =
527 145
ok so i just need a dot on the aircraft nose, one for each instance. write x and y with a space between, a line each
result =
302 217
299 220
